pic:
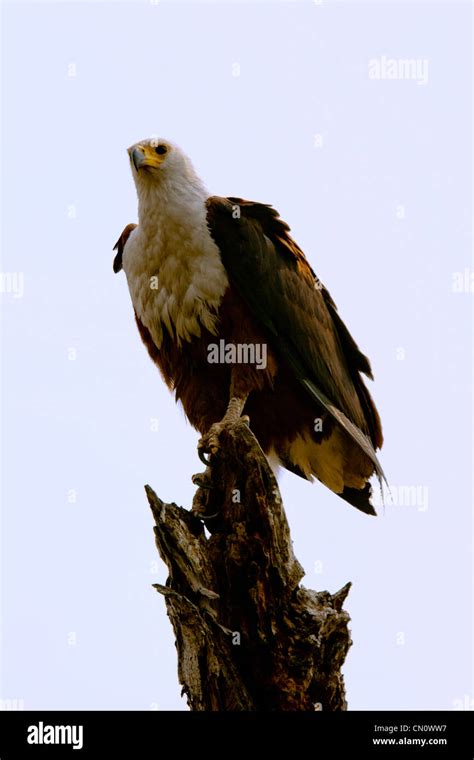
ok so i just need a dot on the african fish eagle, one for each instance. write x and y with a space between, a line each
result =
206 271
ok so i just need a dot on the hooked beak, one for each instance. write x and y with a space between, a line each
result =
137 157
145 156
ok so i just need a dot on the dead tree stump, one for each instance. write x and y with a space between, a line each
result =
248 636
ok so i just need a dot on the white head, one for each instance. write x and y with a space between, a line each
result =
163 173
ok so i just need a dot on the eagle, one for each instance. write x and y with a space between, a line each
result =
239 325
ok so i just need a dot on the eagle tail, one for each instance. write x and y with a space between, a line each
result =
359 498
362 440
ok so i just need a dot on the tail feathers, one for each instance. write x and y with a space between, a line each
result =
335 461
362 441
359 498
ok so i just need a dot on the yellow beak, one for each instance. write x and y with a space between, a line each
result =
144 155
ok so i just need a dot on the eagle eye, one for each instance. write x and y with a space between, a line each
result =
160 149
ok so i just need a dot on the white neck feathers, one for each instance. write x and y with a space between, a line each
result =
174 269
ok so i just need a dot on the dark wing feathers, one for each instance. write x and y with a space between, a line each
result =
351 350
120 245
297 312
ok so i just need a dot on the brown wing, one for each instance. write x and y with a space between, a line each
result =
273 276
120 245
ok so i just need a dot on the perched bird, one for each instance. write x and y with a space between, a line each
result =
237 322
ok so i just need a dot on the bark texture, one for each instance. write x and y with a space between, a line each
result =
248 635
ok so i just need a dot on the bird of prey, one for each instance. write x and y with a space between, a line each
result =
238 324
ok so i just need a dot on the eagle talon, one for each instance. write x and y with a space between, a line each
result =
202 456
202 480
210 442
208 517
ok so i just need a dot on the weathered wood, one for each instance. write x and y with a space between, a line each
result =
248 635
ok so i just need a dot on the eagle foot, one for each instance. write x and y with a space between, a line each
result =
203 479
200 505
209 443
209 517
202 456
